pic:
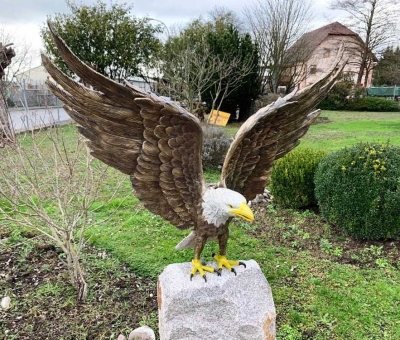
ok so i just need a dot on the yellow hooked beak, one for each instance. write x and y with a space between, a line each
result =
244 212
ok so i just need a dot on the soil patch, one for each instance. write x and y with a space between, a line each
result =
306 231
43 304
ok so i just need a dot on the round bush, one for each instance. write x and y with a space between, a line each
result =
292 178
337 98
358 189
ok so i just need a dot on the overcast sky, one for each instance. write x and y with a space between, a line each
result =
22 19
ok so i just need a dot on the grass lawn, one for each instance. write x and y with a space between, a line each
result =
349 128
345 128
325 285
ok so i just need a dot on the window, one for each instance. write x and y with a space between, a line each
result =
313 69
327 52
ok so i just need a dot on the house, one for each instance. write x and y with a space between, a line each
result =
34 77
315 52
32 90
141 83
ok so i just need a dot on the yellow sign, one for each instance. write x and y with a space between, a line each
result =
219 118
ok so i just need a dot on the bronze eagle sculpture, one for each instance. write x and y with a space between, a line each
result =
159 145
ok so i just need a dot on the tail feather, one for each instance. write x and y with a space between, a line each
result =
190 241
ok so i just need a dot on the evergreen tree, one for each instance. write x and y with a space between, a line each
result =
387 72
225 59
110 40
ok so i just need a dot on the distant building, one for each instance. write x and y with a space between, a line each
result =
33 77
318 49
32 90
141 83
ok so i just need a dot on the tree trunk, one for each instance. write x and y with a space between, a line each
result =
6 130
75 272
363 67
7 136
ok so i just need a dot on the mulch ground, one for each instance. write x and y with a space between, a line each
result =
308 232
43 304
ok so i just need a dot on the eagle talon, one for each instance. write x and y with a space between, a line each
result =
228 264
201 269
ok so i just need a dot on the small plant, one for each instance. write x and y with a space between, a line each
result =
292 178
358 189
325 245
337 251
381 263
271 209
215 146
50 185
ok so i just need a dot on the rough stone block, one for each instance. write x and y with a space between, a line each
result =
225 307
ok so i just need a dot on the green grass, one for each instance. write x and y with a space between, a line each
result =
349 128
316 296
328 299
346 128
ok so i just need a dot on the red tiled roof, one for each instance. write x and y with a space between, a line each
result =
314 38
320 34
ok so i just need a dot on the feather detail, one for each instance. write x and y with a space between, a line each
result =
156 143
271 133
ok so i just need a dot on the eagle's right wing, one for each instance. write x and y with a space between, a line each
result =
156 143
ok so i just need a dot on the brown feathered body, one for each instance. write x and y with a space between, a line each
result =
159 144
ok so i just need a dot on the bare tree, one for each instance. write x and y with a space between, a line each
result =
190 71
6 129
51 184
276 25
376 21
230 71
196 70
22 58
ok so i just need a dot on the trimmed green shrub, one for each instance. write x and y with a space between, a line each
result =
373 104
347 96
337 98
358 189
292 178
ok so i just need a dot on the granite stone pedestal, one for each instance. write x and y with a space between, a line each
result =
225 307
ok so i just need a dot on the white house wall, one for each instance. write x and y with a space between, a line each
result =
323 60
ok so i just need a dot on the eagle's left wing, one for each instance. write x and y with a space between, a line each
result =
271 133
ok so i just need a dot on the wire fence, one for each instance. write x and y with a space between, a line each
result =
32 106
28 94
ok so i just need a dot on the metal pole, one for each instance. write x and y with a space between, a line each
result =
26 104
58 111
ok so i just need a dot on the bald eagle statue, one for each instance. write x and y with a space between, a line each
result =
159 145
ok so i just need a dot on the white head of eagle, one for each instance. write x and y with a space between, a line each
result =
221 204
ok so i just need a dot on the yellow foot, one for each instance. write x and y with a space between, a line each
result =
198 267
228 264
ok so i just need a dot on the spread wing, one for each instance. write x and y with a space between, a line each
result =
271 133
156 143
